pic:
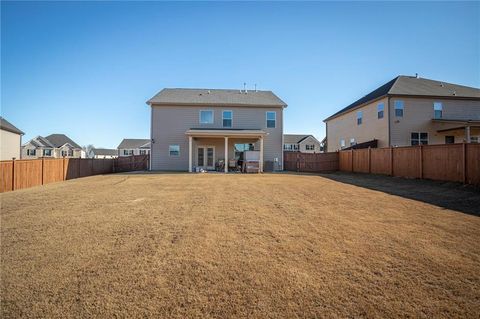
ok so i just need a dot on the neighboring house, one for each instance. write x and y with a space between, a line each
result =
54 145
102 153
134 146
408 110
198 128
10 140
301 143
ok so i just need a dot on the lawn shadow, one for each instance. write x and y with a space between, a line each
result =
449 195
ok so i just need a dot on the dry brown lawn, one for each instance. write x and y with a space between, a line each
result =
235 246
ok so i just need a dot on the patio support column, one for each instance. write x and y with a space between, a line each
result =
261 154
190 154
467 134
226 154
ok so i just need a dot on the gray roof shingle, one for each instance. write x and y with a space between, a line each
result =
59 140
105 151
7 126
221 97
132 143
414 86
294 138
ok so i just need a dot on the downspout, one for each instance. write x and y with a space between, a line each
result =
281 149
388 118
151 139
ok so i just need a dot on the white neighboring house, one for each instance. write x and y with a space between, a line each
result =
302 143
103 153
54 145
134 146
10 140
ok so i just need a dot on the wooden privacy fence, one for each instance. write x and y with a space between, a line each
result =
443 162
18 174
310 162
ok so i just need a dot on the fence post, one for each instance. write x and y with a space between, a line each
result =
63 170
13 173
464 165
43 170
421 161
391 161
351 160
132 163
369 160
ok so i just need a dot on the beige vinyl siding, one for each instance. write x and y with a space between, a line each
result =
169 124
345 127
9 145
310 141
418 114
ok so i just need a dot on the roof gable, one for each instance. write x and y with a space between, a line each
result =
220 97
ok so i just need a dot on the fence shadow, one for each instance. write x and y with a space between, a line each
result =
449 195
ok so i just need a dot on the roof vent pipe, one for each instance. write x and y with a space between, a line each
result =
245 88
255 87
416 75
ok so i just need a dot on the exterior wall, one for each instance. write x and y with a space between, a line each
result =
28 146
169 124
309 141
9 145
418 114
345 127
136 151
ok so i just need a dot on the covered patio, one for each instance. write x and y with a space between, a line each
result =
207 147
460 128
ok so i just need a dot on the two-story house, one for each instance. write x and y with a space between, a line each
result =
408 110
10 140
134 146
303 143
199 127
54 145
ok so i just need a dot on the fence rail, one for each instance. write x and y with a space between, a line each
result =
19 174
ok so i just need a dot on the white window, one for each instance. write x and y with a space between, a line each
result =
342 143
143 152
380 108
474 139
310 147
31 152
352 141
174 150
288 147
64 153
127 152
437 110
398 104
271 119
47 152
227 117
359 117
419 138
206 117
70 153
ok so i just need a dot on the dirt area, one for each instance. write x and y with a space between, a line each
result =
237 246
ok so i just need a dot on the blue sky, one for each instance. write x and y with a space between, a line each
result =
86 68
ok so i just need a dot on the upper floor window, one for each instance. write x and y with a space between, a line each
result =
271 119
419 138
380 108
174 150
31 152
227 117
437 110
206 117
398 104
127 152
310 147
359 117
47 152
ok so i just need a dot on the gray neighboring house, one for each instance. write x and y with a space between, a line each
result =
103 153
54 145
134 146
303 143
199 127
10 140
